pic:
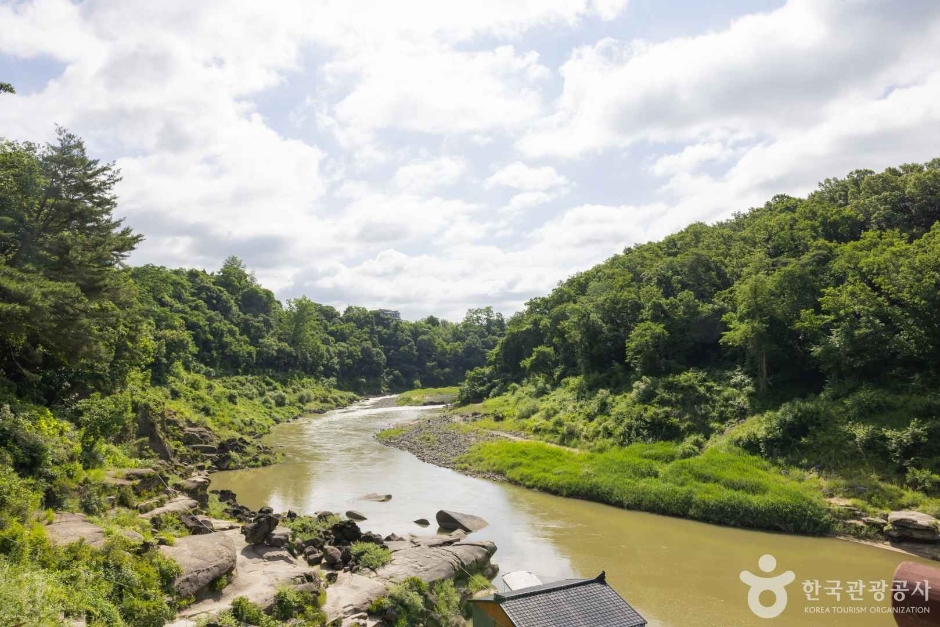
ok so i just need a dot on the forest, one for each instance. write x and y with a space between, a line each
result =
105 366
804 332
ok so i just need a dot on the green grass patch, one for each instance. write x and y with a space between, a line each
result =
392 432
371 555
725 487
428 396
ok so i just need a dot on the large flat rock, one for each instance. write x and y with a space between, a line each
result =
203 558
180 505
438 562
913 520
68 528
352 593
259 570
431 559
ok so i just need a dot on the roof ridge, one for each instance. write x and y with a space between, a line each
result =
561 585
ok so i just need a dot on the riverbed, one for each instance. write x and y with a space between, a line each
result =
677 573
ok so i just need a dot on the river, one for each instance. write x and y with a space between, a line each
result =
677 573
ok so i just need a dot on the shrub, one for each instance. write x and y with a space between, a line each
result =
478 583
923 480
371 555
247 612
526 409
445 600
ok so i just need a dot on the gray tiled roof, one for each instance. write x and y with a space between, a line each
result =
570 603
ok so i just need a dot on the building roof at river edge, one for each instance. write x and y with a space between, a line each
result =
567 603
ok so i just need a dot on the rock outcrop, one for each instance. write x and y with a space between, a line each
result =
179 505
68 528
453 521
354 515
196 488
431 559
913 526
203 558
257 531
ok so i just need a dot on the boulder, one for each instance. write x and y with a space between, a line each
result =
433 563
68 528
180 505
196 526
132 535
313 556
371 538
152 428
914 535
452 521
393 537
346 555
346 532
257 530
278 538
332 556
144 479
913 520
196 487
423 522
198 435
203 559
354 515
913 526
226 496
378 498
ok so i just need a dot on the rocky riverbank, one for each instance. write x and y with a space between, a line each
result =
440 440
443 439
257 559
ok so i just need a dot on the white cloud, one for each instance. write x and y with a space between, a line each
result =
348 149
521 176
765 74
428 174
690 158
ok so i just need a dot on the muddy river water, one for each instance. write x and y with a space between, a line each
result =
677 573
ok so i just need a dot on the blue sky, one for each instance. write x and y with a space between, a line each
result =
433 156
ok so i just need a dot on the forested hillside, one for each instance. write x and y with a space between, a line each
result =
806 331
104 367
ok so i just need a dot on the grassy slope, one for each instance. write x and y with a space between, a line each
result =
428 396
742 487
725 487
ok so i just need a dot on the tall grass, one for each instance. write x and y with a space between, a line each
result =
428 396
724 487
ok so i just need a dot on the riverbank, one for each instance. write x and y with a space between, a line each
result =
725 487
722 487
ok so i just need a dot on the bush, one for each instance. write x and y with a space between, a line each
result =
251 613
371 555
923 480
30 595
18 498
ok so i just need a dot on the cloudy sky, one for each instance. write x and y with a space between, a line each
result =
431 155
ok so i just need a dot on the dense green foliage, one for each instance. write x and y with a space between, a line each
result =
106 367
371 555
804 331
414 603
226 323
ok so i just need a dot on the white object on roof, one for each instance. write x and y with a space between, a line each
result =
520 579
